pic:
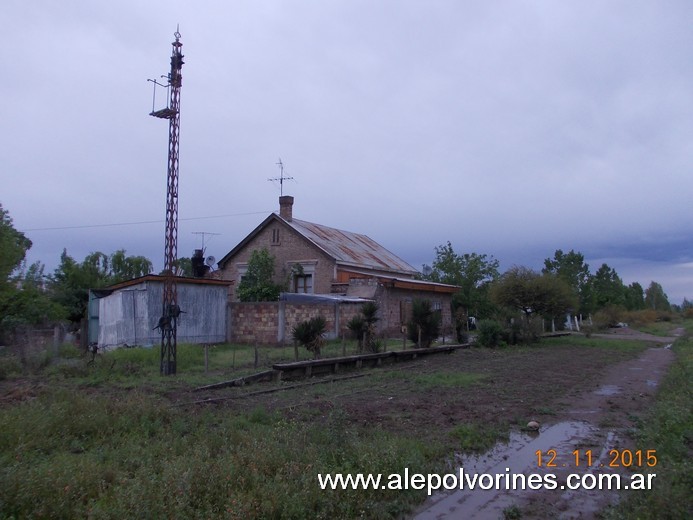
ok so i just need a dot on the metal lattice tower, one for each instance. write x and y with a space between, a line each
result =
171 310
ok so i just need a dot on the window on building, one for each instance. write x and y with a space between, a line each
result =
303 283
302 275
275 237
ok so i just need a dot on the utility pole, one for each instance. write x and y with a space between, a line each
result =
168 323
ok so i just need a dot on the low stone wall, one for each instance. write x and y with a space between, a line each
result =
271 323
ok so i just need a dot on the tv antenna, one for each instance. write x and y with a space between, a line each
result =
281 177
204 234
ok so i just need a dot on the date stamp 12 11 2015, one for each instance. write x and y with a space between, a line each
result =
624 458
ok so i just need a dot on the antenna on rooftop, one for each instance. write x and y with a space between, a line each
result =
204 234
281 177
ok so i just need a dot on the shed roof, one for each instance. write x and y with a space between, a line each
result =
158 278
400 283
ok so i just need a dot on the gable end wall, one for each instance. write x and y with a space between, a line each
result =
291 248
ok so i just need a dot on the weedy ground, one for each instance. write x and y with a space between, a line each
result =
114 439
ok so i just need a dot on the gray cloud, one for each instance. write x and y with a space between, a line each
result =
508 128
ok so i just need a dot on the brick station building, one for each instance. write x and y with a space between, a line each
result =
332 265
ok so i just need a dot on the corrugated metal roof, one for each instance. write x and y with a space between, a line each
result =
351 248
160 278
320 298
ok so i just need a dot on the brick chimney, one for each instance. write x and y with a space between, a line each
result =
286 204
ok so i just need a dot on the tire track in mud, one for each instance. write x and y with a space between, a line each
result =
597 418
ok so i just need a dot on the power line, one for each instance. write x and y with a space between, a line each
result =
86 226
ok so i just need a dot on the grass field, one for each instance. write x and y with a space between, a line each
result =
114 439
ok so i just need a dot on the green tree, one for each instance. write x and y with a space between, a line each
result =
607 288
70 283
634 297
525 290
23 300
571 268
30 303
472 273
13 246
257 284
184 265
123 267
656 298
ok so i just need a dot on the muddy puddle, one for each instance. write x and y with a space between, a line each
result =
608 390
517 456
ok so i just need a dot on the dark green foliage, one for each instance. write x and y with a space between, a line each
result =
489 333
13 246
532 294
603 289
184 266
634 297
357 325
424 323
607 288
28 303
257 284
655 298
23 298
310 333
369 310
572 269
363 326
461 325
472 273
70 283
529 292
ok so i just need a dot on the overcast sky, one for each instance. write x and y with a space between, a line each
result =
509 128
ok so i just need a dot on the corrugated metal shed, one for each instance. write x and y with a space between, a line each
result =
128 313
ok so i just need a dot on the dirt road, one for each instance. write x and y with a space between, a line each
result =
584 397
592 423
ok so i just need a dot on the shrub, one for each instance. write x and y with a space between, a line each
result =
310 334
363 327
369 310
357 326
490 332
426 320
609 316
461 326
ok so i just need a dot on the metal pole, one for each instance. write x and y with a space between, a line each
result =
170 309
